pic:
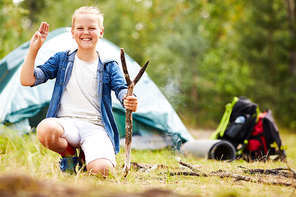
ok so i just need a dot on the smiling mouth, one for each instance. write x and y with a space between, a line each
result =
85 39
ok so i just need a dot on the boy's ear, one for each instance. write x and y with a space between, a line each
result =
101 33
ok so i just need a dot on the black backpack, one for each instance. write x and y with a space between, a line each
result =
254 135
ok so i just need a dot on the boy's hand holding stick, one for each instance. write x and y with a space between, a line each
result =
128 118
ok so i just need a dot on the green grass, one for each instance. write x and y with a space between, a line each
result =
37 167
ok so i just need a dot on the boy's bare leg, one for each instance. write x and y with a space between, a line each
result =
100 166
50 133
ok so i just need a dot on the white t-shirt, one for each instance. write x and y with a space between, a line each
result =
80 97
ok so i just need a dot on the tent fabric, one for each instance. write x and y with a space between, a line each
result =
156 124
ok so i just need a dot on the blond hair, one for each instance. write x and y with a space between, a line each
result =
88 10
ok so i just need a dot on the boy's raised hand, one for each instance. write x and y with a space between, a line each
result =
39 37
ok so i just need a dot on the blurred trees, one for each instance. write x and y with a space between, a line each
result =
13 26
268 46
202 52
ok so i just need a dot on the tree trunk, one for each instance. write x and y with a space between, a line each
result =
290 4
291 17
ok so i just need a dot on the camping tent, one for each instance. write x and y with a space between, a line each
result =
156 124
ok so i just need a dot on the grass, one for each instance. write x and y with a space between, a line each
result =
28 169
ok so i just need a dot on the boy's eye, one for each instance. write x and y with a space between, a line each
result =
79 28
92 29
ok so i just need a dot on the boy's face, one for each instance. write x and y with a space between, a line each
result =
86 31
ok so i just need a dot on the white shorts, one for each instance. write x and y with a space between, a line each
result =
92 139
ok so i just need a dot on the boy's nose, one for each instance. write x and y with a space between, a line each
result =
85 31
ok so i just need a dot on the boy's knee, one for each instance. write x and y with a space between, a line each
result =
46 129
100 166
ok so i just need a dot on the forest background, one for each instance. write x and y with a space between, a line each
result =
202 52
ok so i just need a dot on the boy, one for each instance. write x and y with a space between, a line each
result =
80 111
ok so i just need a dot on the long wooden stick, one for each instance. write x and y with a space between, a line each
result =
129 117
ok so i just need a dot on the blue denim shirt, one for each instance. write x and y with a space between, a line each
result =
109 76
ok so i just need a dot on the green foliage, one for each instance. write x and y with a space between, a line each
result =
202 53
35 8
267 43
13 24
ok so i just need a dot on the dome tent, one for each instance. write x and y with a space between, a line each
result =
156 124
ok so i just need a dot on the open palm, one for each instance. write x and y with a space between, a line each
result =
40 36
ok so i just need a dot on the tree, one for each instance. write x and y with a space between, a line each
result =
13 23
268 45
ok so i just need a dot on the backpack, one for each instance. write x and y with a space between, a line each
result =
254 135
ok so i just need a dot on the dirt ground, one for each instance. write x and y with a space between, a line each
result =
26 186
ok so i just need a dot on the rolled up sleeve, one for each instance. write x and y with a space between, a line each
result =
39 77
118 83
121 95
48 70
